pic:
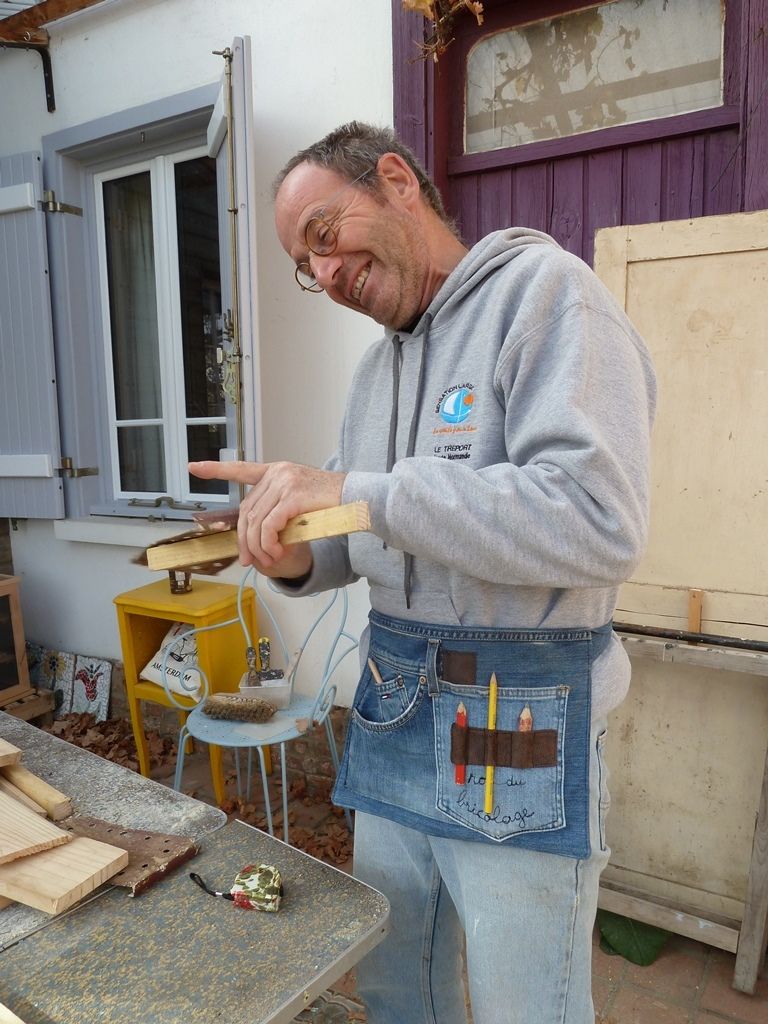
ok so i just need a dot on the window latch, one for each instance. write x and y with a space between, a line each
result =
166 499
69 470
50 204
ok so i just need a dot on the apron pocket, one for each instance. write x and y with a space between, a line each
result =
526 750
390 703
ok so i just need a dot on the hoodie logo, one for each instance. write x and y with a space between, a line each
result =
455 404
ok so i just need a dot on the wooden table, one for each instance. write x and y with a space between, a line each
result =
175 954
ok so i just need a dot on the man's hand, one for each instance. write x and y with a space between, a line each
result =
279 491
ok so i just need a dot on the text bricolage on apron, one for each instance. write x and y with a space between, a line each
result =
415 756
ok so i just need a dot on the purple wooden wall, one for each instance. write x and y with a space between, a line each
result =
710 162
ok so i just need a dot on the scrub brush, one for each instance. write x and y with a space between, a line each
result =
233 708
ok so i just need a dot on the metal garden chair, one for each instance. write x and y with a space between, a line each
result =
288 723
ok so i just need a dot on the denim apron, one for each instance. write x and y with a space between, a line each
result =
404 743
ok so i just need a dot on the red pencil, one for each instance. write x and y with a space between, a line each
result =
460 770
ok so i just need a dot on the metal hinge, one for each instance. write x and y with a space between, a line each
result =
67 469
51 205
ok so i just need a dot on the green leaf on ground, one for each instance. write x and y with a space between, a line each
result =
637 942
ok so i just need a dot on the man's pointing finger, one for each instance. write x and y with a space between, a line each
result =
239 472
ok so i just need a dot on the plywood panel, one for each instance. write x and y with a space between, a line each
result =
686 753
710 468
695 290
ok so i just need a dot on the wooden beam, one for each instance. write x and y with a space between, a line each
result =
32 37
651 910
209 547
42 14
750 955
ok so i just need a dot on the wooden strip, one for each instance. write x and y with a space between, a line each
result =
732 232
681 923
23 833
54 880
695 600
327 522
754 926
57 805
8 753
5 902
13 791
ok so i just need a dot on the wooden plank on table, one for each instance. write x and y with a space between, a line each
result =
8 1016
54 880
326 522
8 753
57 805
10 790
23 833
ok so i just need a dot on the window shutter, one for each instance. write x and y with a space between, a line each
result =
244 147
30 451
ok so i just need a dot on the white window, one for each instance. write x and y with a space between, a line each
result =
162 324
128 317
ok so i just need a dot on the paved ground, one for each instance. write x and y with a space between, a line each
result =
689 983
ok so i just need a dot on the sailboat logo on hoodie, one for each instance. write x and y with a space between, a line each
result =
455 404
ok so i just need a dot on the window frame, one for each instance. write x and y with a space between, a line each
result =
70 158
173 418
440 90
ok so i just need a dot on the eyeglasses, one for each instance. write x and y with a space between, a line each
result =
321 238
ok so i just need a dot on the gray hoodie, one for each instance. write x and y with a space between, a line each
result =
502 445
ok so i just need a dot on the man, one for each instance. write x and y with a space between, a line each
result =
500 434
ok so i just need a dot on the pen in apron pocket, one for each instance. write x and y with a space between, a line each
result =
492 698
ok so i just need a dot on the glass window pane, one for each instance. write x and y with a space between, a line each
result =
200 284
619 63
142 461
204 441
132 298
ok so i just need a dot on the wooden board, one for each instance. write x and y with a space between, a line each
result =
54 880
23 833
13 791
8 753
327 522
8 1016
695 290
152 855
57 805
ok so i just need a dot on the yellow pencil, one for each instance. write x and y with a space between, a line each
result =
492 696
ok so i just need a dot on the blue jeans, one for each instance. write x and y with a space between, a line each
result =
527 917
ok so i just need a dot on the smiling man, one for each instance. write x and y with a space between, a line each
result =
500 434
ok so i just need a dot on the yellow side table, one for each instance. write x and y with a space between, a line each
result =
144 617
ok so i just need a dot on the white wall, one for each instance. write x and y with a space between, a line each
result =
314 67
